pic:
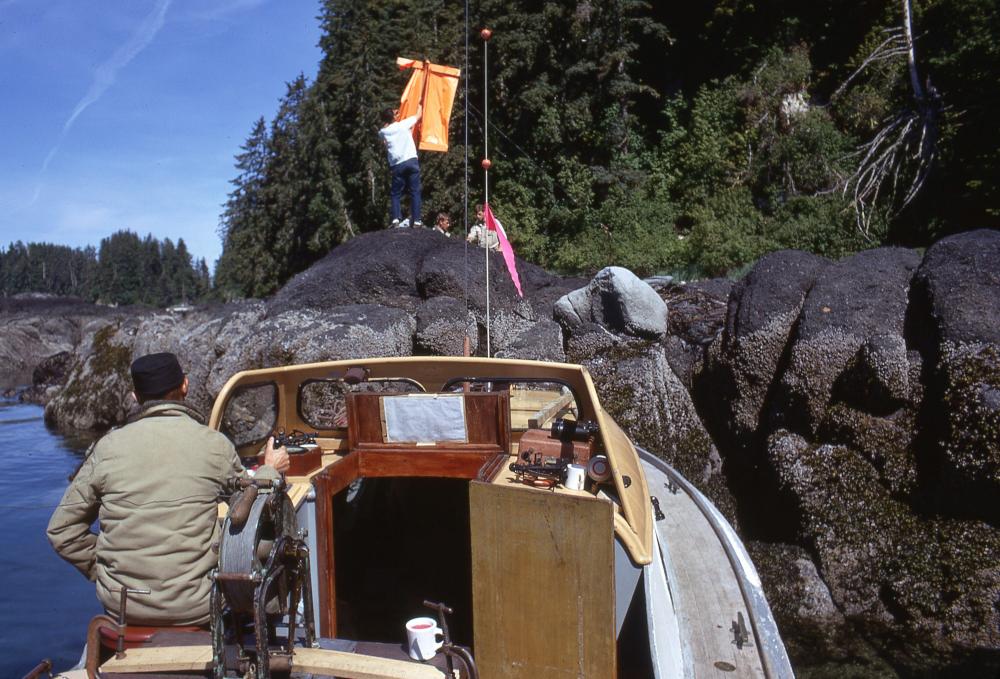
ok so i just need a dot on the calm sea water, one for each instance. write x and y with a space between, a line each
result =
46 603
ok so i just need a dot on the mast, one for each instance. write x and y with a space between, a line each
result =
485 35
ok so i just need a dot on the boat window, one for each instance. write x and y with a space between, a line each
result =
534 403
322 404
251 413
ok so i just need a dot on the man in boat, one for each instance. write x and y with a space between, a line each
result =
154 485
403 165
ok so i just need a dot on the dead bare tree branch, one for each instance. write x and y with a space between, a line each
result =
894 164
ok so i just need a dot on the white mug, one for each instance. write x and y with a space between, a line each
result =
575 476
421 638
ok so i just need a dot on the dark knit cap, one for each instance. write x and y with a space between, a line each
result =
156 374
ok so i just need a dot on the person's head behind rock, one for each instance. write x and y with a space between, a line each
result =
158 377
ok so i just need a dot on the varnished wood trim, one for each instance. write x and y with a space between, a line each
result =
326 575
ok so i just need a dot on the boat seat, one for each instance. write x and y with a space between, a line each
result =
139 635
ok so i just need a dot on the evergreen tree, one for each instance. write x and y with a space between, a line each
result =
243 218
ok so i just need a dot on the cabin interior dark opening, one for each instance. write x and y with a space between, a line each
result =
398 542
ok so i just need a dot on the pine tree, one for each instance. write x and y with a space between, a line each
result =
243 218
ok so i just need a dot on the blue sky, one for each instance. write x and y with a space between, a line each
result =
127 114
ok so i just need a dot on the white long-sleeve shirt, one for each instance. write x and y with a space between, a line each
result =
398 140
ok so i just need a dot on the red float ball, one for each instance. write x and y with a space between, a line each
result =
486 163
485 34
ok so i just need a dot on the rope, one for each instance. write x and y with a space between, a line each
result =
238 554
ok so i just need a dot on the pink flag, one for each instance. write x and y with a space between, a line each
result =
493 224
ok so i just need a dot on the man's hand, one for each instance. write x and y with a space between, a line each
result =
276 458
420 110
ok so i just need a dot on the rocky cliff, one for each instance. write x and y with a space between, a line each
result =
844 415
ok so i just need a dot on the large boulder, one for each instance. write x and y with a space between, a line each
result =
957 298
762 314
852 302
924 589
374 268
402 267
28 338
617 299
97 394
644 396
311 335
456 271
697 314
814 630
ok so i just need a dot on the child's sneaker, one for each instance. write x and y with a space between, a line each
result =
405 224
418 225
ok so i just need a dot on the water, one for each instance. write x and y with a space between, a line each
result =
46 603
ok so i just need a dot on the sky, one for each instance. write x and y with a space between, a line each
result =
128 114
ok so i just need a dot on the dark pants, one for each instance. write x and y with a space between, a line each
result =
405 175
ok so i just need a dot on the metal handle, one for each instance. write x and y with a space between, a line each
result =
240 511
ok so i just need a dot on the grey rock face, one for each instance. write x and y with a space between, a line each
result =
542 341
762 314
852 301
647 399
309 336
27 339
98 388
618 300
442 325
958 287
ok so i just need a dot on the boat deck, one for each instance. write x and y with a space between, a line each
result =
704 585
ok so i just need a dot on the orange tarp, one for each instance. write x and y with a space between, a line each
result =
433 85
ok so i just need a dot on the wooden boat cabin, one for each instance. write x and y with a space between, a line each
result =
413 499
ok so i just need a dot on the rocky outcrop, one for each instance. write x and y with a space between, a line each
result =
845 416
855 308
957 306
36 327
762 315
890 570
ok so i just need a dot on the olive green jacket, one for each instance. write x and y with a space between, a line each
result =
154 485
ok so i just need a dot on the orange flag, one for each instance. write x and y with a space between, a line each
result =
434 86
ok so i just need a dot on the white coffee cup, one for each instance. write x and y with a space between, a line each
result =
422 638
575 476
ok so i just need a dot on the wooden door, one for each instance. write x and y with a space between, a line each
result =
543 583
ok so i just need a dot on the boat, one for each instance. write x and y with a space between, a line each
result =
493 501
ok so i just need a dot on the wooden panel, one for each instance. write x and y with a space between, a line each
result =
543 584
423 463
364 419
304 660
341 474
326 599
487 417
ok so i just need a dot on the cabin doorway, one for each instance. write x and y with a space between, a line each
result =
397 543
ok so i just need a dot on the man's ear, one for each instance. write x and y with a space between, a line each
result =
184 387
